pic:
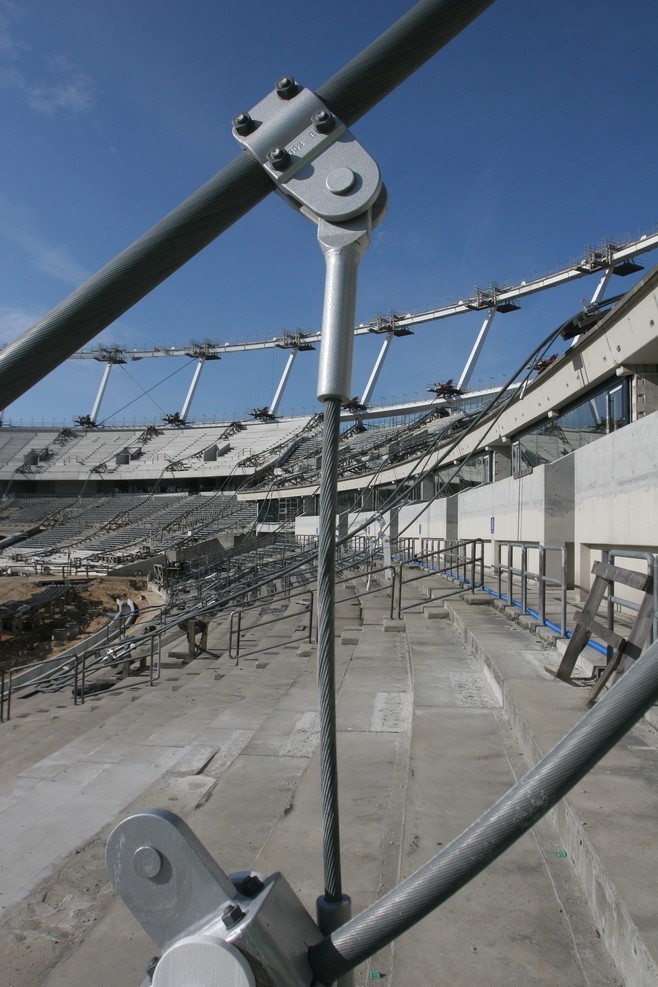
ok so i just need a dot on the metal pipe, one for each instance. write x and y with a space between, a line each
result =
185 410
563 596
496 830
219 203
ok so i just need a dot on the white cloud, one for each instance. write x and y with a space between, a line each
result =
17 227
54 260
9 47
14 322
67 90
52 84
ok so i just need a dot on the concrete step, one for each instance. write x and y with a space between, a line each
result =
424 746
606 824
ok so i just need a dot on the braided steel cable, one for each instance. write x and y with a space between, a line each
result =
396 54
326 650
496 830
132 275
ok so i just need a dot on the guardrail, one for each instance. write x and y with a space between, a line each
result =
456 560
517 569
82 662
34 673
235 627
610 555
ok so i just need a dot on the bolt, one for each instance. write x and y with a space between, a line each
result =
249 886
323 121
243 124
279 158
340 180
286 87
232 915
147 862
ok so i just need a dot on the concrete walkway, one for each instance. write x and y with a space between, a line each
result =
436 718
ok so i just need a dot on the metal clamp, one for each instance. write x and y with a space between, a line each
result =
309 154
239 929
325 173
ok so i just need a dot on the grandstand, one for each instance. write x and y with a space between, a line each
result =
261 598
110 495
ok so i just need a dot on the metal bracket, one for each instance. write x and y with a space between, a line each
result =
214 929
309 154
325 173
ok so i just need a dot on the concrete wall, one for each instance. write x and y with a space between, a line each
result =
604 495
424 520
616 494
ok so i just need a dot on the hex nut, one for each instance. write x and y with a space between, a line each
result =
231 915
279 158
243 124
323 121
286 87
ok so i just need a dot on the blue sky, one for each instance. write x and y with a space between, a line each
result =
533 134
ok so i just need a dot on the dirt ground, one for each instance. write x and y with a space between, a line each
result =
88 605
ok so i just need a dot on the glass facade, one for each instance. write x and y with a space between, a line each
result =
452 479
599 414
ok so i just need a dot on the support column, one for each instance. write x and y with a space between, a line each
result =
427 488
276 400
379 363
101 392
192 388
469 366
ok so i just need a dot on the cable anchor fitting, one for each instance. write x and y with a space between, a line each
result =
323 172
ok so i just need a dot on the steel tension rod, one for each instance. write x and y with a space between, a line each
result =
319 167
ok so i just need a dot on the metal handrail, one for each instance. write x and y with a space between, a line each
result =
80 670
652 568
527 575
469 567
265 623
7 687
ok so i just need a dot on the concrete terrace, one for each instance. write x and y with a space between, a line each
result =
437 716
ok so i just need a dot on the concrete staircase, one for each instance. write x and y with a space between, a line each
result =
436 719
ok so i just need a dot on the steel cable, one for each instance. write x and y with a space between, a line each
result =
326 650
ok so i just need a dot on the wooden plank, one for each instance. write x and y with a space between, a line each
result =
605 634
581 634
641 629
608 672
614 573
631 650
